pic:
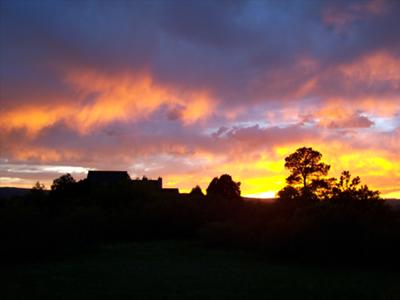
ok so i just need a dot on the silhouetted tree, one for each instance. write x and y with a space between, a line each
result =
38 187
307 171
224 186
345 184
62 183
322 188
288 194
348 189
37 195
196 191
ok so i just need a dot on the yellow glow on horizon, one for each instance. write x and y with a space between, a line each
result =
270 184
264 173
21 182
393 195
262 195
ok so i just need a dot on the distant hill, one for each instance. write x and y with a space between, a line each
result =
9 192
394 203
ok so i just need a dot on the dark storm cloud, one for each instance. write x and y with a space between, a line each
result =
220 45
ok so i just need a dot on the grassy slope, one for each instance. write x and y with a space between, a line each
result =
185 270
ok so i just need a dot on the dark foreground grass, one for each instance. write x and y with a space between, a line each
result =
185 270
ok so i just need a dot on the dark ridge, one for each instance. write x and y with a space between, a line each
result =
10 192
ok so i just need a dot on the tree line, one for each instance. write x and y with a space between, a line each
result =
307 183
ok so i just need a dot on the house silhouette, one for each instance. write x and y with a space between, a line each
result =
115 177
107 177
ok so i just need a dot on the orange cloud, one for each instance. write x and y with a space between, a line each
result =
377 67
340 17
43 154
101 99
32 118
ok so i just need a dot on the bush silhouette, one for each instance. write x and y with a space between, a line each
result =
63 183
224 187
349 190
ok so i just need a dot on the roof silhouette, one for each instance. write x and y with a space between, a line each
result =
107 176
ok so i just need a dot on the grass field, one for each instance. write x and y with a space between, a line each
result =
186 270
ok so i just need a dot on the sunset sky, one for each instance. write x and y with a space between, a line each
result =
190 90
